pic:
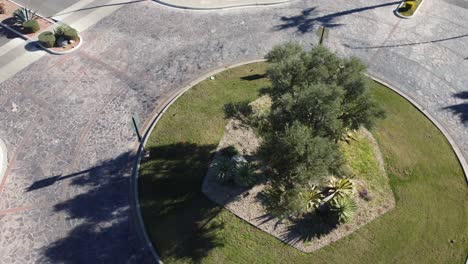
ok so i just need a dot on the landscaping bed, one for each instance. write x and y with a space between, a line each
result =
30 26
373 195
408 8
8 19
427 225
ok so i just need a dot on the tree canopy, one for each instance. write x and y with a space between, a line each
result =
316 98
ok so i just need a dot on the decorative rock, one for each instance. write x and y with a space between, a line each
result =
238 159
61 42
212 78
71 41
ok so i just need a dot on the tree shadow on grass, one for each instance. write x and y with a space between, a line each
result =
305 22
101 217
180 219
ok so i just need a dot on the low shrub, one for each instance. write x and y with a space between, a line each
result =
47 39
229 151
31 26
364 194
66 32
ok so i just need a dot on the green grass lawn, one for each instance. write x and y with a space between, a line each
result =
185 227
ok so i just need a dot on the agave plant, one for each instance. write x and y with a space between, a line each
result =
338 187
244 174
344 207
24 15
222 168
313 197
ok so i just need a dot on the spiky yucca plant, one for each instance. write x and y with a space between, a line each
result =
222 168
244 174
313 197
345 208
24 15
338 187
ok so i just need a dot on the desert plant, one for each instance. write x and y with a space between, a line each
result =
244 174
47 39
66 32
338 187
2 8
31 26
229 151
313 197
344 207
24 15
222 169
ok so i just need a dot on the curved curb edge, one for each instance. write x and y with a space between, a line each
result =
157 116
154 120
222 7
458 153
60 52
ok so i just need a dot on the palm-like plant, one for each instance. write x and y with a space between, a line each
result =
24 14
244 174
222 169
313 197
345 208
338 187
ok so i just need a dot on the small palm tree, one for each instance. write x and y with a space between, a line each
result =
338 187
345 208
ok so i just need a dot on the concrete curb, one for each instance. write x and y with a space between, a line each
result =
3 160
458 153
240 5
159 113
154 120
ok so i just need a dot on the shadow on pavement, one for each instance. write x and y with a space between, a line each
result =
100 215
408 44
305 21
460 110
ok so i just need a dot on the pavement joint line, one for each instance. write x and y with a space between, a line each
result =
389 35
71 10
248 4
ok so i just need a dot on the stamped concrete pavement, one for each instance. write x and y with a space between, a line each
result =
66 197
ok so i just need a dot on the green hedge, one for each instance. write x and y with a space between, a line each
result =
31 26
47 39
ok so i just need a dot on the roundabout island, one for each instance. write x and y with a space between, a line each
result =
185 224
